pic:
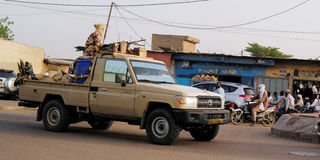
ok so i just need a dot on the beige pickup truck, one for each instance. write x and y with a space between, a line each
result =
131 89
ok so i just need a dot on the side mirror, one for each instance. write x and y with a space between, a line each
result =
123 83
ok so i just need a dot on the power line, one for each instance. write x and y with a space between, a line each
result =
135 19
128 23
283 37
234 32
170 22
220 27
100 5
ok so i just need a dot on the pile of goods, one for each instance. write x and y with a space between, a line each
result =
204 78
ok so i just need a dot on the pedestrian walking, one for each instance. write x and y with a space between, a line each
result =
289 102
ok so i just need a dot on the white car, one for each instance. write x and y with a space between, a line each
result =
234 92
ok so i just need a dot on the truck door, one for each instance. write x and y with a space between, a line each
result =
111 96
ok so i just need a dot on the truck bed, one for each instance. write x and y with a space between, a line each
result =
72 94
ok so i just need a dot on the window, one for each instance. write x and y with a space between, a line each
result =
232 89
248 91
203 86
116 71
213 87
226 88
152 72
229 88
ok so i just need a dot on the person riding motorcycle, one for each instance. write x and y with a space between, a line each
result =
299 106
261 99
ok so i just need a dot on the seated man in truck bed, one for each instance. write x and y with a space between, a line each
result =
94 41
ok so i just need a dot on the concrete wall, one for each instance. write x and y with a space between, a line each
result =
11 52
174 42
164 57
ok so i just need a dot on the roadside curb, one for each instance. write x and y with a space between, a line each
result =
297 127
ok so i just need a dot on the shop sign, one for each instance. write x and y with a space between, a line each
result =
308 73
218 71
283 71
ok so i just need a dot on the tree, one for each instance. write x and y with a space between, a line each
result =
5 31
257 50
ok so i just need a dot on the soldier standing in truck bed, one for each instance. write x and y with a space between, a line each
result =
94 41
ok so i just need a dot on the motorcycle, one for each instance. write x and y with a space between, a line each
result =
243 113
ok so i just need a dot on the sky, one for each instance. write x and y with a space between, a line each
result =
58 29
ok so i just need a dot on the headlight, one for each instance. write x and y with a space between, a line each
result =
187 101
10 85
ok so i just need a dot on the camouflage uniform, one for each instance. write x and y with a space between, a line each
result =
93 43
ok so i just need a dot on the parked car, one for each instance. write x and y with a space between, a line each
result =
234 92
7 79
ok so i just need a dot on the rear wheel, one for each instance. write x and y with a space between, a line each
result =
100 124
161 128
55 116
236 117
206 133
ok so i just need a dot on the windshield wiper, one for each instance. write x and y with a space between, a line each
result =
156 82
146 80
165 82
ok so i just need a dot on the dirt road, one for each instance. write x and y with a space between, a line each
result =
21 137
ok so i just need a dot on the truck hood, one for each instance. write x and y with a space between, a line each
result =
175 89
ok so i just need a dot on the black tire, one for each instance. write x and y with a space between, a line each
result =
206 133
236 118
55 116
268 120
100 124
161 127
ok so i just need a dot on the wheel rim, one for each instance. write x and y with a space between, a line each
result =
53 116
268 121
160 127
236 117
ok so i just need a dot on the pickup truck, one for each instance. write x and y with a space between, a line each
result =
132 89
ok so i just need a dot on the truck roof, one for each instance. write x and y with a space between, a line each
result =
131 57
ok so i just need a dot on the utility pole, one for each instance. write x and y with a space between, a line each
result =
105 33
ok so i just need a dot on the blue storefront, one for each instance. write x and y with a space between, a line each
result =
239 69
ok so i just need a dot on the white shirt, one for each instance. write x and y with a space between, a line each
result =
314 89
289 102
270 99
315 103
220 91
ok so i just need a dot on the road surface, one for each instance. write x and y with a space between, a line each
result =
21 137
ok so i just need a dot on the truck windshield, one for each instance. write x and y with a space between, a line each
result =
152 72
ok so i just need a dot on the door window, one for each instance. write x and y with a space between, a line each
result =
213 87
116 71
203 86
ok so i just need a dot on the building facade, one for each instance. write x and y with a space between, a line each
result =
277 74
11 52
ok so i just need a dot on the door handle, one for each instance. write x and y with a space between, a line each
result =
103 89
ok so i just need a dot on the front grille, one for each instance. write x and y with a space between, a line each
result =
209 102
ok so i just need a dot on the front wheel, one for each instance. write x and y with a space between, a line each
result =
236 117
206 133
268 120
161 128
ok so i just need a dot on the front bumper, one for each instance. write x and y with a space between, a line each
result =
202 117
